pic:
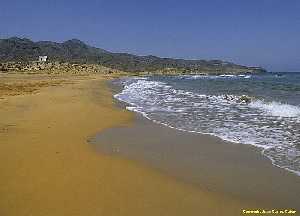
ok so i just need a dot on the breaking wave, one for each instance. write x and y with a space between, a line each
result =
272 126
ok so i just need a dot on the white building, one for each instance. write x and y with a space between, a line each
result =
43 58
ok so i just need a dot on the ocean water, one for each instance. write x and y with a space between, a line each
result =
260 110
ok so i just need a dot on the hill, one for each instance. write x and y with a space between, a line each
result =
75 51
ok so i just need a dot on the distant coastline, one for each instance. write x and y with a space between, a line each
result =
77 52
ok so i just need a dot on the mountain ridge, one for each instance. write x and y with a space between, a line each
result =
74 50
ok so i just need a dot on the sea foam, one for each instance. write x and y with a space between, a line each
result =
276 108
272 126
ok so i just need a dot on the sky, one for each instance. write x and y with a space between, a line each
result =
262 33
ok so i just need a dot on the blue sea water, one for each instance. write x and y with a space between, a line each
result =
260 110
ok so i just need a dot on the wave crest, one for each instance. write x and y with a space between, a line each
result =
276 108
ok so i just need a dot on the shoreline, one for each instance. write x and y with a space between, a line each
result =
254 133
243 162
48 168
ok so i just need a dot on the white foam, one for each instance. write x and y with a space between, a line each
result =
276 108
227 75
222 76
224 116
245 76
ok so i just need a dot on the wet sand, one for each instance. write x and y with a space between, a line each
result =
236 171
48 168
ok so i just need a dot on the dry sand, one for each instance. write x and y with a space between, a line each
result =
48 168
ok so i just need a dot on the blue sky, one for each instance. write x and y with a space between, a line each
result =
251 32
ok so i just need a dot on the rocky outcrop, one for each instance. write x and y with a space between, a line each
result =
239 99
54 67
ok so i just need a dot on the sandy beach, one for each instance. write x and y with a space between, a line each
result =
150 108
48 167
234 170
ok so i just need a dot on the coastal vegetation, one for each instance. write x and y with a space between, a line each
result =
24 52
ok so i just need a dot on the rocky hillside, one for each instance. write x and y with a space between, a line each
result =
33 67
75 51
